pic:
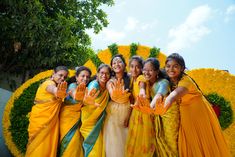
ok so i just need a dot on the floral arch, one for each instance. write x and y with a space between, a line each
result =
210 81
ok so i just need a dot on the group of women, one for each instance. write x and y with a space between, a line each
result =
143 113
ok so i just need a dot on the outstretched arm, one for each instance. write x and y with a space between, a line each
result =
175 95
59 91
157 99
142 87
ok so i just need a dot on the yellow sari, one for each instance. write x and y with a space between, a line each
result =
141 135
167 125
43 127
92 121
200 133
70 122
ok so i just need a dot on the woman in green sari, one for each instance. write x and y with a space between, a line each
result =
70 115
93 113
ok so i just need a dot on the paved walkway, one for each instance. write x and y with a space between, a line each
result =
4 96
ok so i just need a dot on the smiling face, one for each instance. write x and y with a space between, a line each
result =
135 68
118 65
149 72
83 77
173 69
59 76
103 75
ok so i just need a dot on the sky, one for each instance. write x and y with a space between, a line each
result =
203 32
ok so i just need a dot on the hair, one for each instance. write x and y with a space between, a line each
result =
82 68
102 66
156 66
126 77
138 59
58 68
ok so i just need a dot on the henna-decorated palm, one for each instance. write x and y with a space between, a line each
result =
61 90
118 91
80 92
142 104
90 96
161 109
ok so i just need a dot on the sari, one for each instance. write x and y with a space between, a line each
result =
200 133
92 118
167 125
70 122
43 129
141 135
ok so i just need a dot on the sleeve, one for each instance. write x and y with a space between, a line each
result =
48 82
164 87
141 79
72 86
44 85
69 97
185 82
93 84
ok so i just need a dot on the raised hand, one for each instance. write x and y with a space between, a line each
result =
142 104
158 98
161 108
61 90
89 98
118 92
80 92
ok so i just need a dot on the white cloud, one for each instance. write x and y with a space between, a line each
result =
131 24
191 30
230 11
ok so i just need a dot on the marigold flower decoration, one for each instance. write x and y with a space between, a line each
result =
222 83
209 80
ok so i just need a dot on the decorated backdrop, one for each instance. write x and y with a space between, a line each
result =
217 85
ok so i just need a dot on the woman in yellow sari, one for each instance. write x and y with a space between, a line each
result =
93 114
200 134
43 127
166 125
70 115
141 135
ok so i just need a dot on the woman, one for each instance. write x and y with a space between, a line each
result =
200 134
141 121
167 125
93 113
43 127
140 139
118 109
70 115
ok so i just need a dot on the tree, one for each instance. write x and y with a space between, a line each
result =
41 34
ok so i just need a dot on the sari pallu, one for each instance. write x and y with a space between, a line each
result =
70 136
43 127
92 121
